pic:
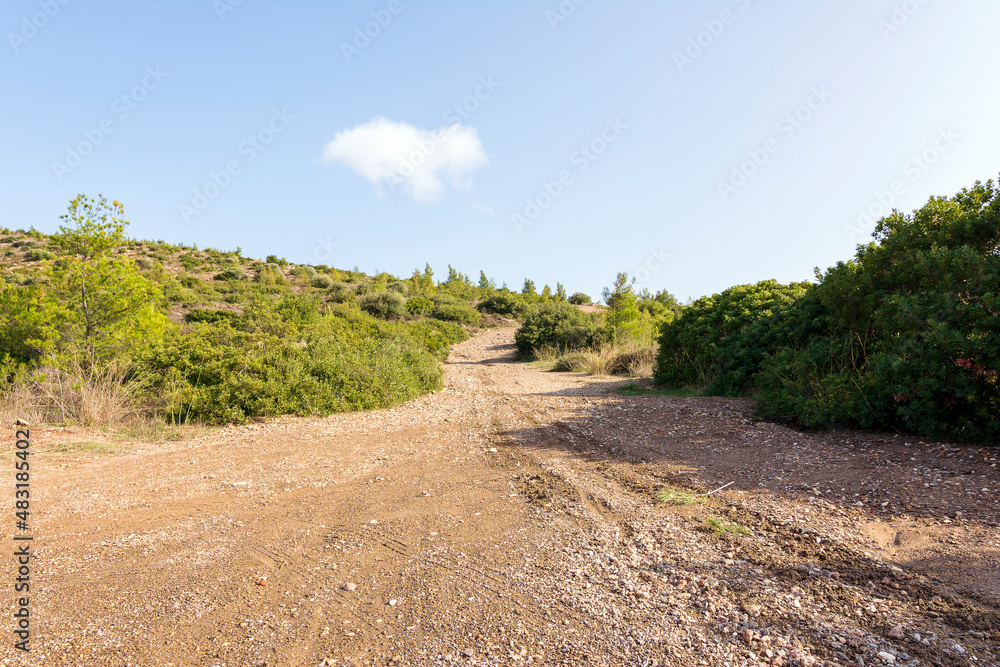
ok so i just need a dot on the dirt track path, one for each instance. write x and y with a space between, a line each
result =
508 519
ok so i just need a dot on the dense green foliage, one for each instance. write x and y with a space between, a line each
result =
283 359
457 313
554 323
690 344
905 336
579 299
505 303
384 304
245 338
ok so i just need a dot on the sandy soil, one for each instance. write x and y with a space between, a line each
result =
512 519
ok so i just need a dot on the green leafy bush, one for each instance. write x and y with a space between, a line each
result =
507 304
321 281
207 316
579 299
419 305
220 374
384 305
554 323
457 313
689 345
39 254
341 293
907 334
232 273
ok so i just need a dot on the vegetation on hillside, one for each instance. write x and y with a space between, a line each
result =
906 335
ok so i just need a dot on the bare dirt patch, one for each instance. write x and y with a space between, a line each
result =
511 518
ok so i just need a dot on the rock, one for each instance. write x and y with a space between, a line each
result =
262 581
392 603
20 422
887 658
350 587
468 652
896 632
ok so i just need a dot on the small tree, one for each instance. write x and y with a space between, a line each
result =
623 314
98 301
560 292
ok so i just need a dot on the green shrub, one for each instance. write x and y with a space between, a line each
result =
39 254
398 286
341 293
554 323
906 335
384 305
274 259
579 299
689 345
507 304
207 316
321 281
220 374
419 305
232 273
457 313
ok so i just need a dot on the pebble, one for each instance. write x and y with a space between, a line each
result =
350 587
887 658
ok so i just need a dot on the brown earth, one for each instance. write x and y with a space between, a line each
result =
511 518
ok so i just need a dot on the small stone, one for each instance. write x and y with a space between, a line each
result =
262 581
20 422
392 603
896 632
887 658
350 587
468 652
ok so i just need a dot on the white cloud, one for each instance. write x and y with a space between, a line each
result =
398 155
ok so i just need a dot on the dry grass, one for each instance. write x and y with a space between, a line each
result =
109 395
630 358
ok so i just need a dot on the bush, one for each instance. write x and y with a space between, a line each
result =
689 344
219 373
579 299
398 286
507 304
207 316
456 313
384 305
419 305
232 273
321 281
341 293
554 323
906 335
39 254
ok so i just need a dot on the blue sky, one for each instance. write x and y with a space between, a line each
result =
699 144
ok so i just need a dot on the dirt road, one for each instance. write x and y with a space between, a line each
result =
511 519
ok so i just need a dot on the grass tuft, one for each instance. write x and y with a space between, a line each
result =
720 527
677 497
